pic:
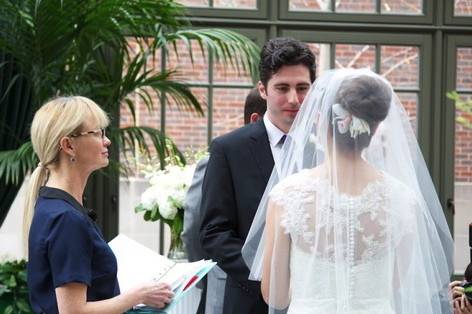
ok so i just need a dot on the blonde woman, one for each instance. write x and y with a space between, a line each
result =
71 268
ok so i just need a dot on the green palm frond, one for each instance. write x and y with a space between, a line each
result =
134 139
88 47
15 164
226 46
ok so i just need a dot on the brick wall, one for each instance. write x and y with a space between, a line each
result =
399 64
463 147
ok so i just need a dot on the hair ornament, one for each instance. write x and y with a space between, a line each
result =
348 122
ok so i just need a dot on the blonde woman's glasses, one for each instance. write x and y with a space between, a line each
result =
98 131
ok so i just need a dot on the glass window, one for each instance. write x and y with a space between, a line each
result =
410 103
400 65
462 190
302 5
227 74
463 162
228 109
194 3
224 4
355 56
322 55
192 72
464 69
463 7
413 7
235 4
186 128
356 6
409 7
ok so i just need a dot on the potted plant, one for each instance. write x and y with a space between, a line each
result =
13 288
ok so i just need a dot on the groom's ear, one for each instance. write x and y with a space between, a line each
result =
262 90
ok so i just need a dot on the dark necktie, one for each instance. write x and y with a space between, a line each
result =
282 140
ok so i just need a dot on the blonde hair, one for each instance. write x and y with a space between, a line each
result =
56 119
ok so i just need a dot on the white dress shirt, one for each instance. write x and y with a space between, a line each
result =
275 135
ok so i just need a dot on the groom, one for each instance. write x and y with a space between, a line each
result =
240 166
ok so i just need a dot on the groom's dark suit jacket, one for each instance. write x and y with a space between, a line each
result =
238 171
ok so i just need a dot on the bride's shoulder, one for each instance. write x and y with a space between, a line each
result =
304 179
400 190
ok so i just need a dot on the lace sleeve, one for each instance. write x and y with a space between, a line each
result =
289 197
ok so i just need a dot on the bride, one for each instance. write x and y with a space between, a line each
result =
350 221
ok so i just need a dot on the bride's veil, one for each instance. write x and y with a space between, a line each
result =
350 221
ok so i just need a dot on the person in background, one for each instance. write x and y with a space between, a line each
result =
213 286
71 269
460 302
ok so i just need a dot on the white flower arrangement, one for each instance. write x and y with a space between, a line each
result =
164 198
167 191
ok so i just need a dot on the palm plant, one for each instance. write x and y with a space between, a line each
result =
83 47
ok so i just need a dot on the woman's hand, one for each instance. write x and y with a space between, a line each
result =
156 294
460 302
456 291
462 305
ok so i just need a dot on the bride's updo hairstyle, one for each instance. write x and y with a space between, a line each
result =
364 97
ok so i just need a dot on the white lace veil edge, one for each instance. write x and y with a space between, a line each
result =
320 238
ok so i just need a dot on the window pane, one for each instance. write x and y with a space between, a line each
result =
228 109
303 5
235 4
463 7
322 53
464 68
355 6
194 3
228 74
186 128
355 56
402 7
400 65
410 103
197 71
462 191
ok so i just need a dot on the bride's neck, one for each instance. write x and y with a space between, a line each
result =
350 172
347 162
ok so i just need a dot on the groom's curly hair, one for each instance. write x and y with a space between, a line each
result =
281 51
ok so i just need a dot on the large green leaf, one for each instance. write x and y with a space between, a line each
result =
100 49
14 164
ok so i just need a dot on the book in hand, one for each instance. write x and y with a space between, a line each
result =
138 264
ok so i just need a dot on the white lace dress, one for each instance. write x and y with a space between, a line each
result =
343 249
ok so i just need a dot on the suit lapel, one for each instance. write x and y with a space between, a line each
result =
260 149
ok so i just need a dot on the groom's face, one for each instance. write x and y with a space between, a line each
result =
284 94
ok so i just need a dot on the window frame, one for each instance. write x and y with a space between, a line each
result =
425 18
452 19
259 13
453 42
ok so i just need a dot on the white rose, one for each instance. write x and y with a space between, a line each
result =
148 198
166 210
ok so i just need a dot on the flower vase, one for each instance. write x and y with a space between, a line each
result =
176 249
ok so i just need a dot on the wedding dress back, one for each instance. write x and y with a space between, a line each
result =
304 202
350 222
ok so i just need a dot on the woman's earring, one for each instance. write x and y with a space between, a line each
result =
72 159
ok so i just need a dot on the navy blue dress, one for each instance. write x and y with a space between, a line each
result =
65 245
